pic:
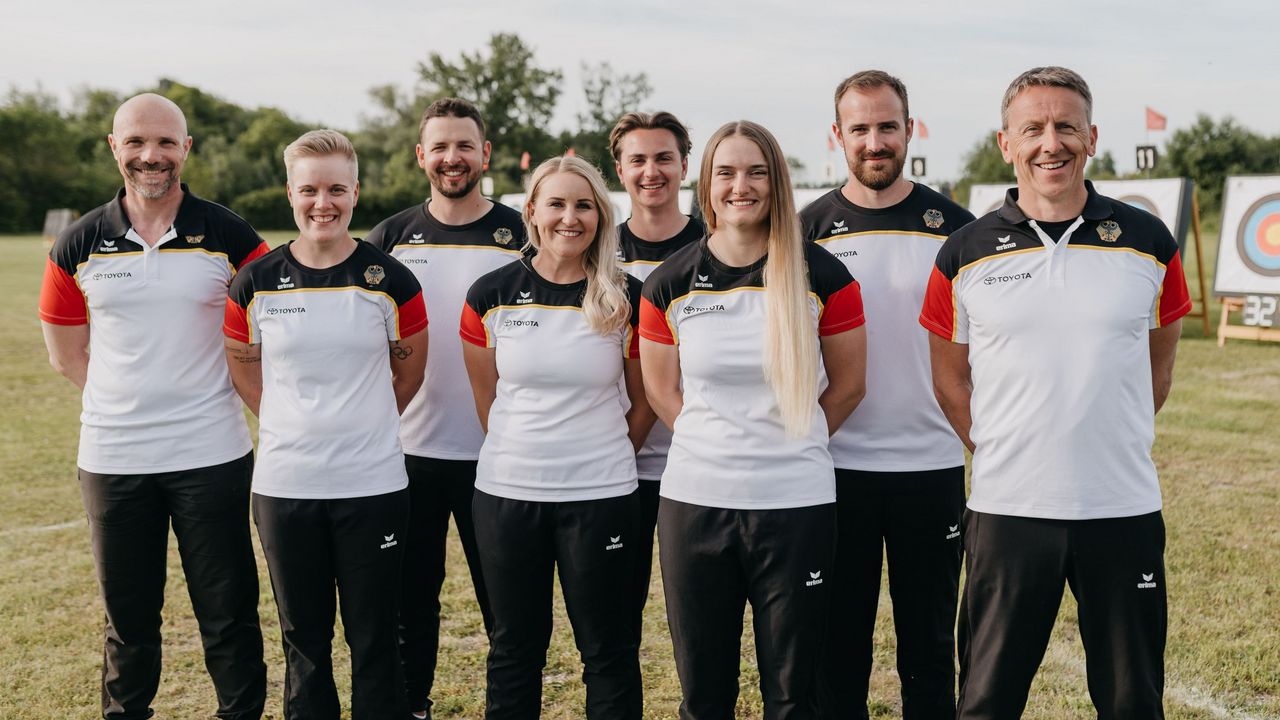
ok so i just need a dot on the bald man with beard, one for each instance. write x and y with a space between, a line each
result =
131 308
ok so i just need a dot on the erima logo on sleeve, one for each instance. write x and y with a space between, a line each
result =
838 227
703 282
524 298
285 283
815 578
416 239
1004 243
108 246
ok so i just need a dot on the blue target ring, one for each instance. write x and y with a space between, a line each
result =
1259 236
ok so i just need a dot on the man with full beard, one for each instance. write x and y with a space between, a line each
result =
454 237
162 438
899 465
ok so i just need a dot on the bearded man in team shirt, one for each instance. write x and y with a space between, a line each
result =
447 242
899 465
651 156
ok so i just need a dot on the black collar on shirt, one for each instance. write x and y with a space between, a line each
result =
1096 207
190 220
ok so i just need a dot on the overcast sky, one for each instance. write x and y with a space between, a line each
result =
776 61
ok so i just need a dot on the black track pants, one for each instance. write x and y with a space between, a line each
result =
129 518
914 517
437 489
355 544
644 549
592 544
1016 568
716 560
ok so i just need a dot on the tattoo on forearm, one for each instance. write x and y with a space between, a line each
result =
400 352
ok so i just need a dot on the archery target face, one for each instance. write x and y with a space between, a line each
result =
1249 249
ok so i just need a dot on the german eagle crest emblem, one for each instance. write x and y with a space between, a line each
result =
933 218
503 236
374 274
1109 231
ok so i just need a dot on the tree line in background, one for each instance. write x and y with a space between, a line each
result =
53 157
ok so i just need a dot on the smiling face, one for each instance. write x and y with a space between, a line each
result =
150 143
454 154
564 212
651 168
874 131
1048 140
740 190
322 191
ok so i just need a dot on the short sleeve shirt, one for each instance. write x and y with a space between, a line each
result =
639 258
440 421
1058 342
557 430
898 426
158 397
729 448
328 422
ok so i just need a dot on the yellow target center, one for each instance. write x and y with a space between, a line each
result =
1271 238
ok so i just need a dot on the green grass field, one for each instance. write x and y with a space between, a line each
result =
1217 451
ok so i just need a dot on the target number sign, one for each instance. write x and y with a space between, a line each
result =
1260 310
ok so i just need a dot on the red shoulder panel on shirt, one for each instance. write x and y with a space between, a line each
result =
235 322
1175 299
61 300
471 327
258 252
412 316
842 311
653 324
938 315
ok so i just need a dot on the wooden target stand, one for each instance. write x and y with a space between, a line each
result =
1203 312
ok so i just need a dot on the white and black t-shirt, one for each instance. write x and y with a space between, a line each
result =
1059 347
898 426
639 258
441 421
328 424
557 429
157 397
729 448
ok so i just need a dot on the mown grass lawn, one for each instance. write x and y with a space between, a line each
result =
1217 451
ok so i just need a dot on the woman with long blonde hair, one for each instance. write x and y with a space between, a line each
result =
548 340
734 329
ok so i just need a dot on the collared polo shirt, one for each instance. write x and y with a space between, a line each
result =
158 397
1058 336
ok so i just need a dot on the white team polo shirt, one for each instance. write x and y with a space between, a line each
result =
158 397
1058 336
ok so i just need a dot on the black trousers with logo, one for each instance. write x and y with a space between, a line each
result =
522 544
714 561
129 518
644 550
355 544
437 489
1015 571
914 517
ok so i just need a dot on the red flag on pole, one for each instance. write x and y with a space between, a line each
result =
1155 121
831 143
524 160
922 130
570 152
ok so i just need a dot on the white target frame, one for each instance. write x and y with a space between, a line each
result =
1236 275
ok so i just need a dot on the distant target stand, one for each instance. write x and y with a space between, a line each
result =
1249 259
